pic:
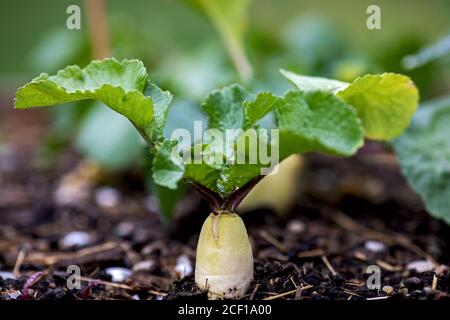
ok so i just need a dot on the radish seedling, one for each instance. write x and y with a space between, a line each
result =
321 115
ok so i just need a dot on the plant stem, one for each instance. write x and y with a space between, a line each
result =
98 28
233 200
213 199
231 40
238 56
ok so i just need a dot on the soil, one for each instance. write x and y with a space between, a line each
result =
350 214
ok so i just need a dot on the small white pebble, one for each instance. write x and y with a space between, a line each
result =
145 265
118 274
124 229
5 275
420 266
75 239
375 246
14 294
184 266
107 197
70 193
296 227
135 297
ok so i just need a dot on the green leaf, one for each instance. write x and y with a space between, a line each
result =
204 174
207 173
424 155
168 166
161 102
255 110
308 122
222 179
236 176
165 198
305 83
385 103
317 121
224 107
119 85
109 139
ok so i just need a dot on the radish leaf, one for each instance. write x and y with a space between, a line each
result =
317 121
119 85
424 155
224 107
255 110
384 102
305 83
307 122
168 167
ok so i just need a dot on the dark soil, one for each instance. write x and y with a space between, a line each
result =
350 214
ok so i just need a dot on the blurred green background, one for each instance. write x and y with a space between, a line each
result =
170 25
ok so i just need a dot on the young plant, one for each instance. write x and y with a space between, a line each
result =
320 115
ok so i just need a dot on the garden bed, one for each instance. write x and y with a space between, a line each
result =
350 213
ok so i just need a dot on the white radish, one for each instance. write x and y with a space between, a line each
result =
224 263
